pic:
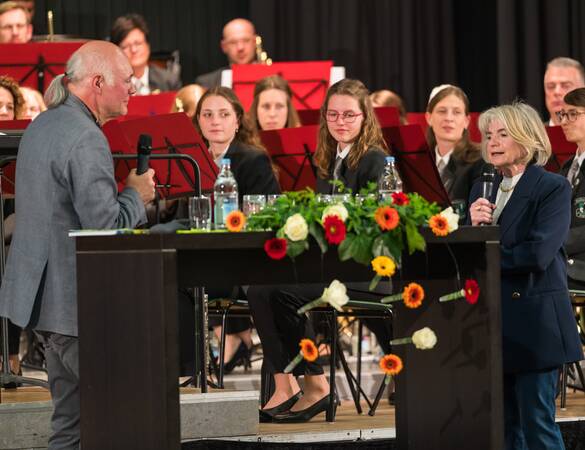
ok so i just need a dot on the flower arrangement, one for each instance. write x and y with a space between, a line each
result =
470 293
412 296
308 352
334 295
423 339
445 222
362 228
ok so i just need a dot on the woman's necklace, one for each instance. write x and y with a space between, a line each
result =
507 189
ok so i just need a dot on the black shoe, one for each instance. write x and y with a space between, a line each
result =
13 384
266 415
304 415
242 356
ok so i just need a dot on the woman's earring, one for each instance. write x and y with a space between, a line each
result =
237 130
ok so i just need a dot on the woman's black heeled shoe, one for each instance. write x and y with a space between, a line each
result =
242 356
266 415
304 415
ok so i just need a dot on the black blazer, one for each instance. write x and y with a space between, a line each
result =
162 80
538 326
370 168
252 170
575 243
211 79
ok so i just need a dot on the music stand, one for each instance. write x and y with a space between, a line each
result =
151 105
35 64
388 116
308 81
309 116
8 150
415 163
171 134
562 150
292 150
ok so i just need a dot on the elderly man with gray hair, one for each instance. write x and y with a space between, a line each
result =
64 181
562 75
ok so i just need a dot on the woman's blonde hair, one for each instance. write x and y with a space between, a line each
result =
524 126
370 134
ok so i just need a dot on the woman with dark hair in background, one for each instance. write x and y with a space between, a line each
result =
458 159
272 106
220 119
350 149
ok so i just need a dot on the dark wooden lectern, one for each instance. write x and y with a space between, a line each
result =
127 297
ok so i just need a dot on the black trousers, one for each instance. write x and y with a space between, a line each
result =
13 338
281 329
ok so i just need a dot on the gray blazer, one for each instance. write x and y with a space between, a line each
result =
64 181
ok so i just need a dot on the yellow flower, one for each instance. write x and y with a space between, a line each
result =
383 266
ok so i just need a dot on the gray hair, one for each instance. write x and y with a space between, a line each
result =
563 61
80 67
524 126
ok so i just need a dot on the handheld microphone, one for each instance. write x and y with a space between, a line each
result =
143 151
487 186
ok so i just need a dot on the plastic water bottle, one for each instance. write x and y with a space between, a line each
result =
225 194
390 181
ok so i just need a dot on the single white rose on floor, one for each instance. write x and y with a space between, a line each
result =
424 339
452 218
335 210
335 294
296 228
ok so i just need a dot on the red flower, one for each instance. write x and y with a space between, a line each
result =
275 248
400 199
334 229
471 291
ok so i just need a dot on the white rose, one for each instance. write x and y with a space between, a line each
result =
424 339
452 218
296 228
335 294
335 210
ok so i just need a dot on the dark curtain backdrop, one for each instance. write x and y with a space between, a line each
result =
495 50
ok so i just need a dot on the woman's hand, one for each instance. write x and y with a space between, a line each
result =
481 211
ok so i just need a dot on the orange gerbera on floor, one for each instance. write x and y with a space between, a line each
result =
235 221
309 349
439 225
413 295
391 364
387 218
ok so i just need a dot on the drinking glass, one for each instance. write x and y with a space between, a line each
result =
200 212
253 204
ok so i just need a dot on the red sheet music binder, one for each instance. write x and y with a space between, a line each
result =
309 116
9 170
415 163
35 64
562 150
292 150
308 81
151 105
388 116
420 119
171 134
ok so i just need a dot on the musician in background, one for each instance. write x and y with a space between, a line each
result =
130 33
34 104
562 75
15 25
239 45
386 97
458 159
187 98
272 107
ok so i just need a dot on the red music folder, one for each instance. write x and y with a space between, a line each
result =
171 134
309 116
562 150
151 105
35 64
388 116
9 169
292 150
308 80
415 163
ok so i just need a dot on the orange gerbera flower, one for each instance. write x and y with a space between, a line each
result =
391 364
439 225
309 349
413 295
235 221
387 218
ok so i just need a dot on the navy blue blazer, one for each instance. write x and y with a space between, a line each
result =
538 325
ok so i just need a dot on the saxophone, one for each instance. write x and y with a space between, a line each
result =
261 55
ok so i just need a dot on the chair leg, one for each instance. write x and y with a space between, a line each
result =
379 394
564 371
359 356
350 380
222 349
330 416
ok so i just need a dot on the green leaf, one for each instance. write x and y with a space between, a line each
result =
414 239
317 232
361 249
294 249
378 246
345 248
375 282
393 245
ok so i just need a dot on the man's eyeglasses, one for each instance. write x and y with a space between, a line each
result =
347 116
570 115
